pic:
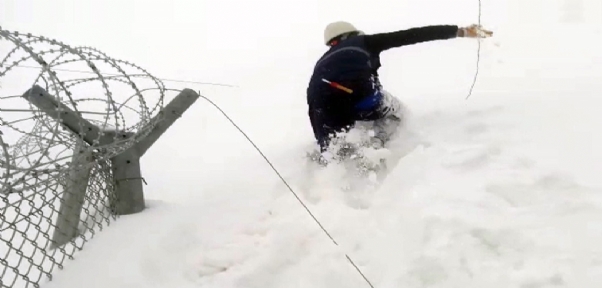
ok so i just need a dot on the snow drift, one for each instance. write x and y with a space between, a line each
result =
500 190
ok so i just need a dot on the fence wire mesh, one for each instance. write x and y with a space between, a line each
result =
42 161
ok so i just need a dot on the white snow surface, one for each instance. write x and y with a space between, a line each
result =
500 190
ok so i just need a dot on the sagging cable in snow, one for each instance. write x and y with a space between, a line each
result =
288 186
474 80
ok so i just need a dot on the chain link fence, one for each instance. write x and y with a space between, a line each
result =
57 182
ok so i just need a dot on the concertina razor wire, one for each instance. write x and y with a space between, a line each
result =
42 160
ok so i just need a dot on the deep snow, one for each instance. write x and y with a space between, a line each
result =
500 190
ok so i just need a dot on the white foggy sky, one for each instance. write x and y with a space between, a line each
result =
221 41
247 42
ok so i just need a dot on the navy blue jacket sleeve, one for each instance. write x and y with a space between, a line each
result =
377 43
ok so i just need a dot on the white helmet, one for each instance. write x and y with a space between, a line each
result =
335 29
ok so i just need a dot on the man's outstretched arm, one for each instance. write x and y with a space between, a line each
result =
377 43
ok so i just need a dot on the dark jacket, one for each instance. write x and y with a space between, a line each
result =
354 63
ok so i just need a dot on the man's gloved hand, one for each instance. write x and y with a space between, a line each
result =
474 31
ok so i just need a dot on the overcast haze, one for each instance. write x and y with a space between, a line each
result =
500 190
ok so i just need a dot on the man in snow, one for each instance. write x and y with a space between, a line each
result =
345 88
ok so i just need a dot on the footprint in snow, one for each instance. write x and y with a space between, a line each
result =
546 190
471 157
485 112
476 129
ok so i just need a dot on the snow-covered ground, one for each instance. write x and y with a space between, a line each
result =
500 190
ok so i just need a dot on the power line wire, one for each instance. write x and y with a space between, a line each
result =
474 80
289 188
109 74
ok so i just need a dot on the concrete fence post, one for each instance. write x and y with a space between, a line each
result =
128 196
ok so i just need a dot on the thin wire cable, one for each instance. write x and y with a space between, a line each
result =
288 186
474 81
108 74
